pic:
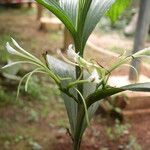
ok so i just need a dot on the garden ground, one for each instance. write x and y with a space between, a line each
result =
38 119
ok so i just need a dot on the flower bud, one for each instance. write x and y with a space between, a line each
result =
11 50
144 52
94 77
72 54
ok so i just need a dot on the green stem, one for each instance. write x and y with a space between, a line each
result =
79 86
78 131
78 69
80 111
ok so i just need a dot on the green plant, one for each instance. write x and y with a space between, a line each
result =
118 130
133 144
117 9
33 116
113 106
34 90
81 83
6 98
35 145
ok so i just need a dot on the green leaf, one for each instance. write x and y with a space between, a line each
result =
109 91
97 9
142 87
79 16
64 70
64 10
83 9
71 8
117 9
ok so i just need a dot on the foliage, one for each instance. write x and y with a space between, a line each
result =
133 143
35 91
33 116
113 106
117 9
4 55
118 130
82 83
5 98
35 145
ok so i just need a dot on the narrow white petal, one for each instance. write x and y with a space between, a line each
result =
16 44
94 77
141 53
48 61
10 64
10 49
71 53
22 50
14 63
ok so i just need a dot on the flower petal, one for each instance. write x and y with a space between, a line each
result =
94 77
16 44
72 54
11 50
141 53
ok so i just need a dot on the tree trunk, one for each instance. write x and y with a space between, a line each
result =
140 36
39 11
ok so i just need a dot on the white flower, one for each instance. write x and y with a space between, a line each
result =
48 60
72 54
144 52
94 77
11 50
16 44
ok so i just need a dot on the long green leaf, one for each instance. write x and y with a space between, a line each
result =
103 93
65 70
62 11
79 16
83 9
143 87
70 7
97 9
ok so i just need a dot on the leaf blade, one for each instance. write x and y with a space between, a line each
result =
104 93
57 10
117 9
97 9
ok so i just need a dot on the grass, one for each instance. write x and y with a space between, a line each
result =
7 97
21 124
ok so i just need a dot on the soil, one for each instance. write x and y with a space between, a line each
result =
52 136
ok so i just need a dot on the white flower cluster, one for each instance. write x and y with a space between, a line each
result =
94 77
